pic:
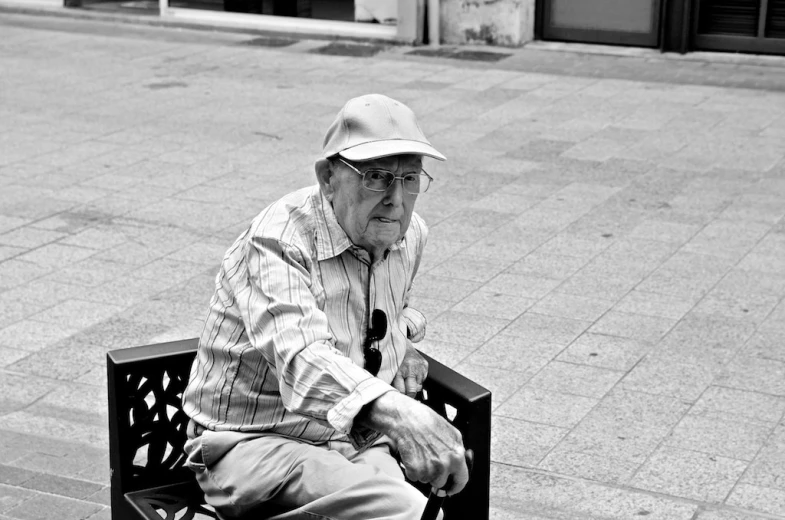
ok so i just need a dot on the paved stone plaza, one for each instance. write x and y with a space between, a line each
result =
607 253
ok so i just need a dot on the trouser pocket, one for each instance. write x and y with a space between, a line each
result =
229 473
194 458
198 459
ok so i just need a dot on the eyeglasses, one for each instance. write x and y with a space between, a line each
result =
377 179
376 332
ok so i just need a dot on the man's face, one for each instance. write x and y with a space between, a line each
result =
374 220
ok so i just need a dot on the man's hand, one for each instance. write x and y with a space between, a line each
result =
412 372
431 449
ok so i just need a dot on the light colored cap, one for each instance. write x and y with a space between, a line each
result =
373 126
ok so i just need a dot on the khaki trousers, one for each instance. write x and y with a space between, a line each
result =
270 477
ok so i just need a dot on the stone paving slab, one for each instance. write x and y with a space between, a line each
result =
606 249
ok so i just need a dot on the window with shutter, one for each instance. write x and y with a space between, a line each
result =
740 26
736 17
775 23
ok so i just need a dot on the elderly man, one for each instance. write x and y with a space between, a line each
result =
301 391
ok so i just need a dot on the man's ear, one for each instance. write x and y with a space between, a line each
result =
325 174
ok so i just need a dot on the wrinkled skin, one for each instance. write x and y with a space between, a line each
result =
431 449
372 220
412 372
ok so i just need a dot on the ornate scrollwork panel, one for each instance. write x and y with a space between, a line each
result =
171 507
157 424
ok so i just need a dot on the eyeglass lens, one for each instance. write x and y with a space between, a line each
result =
380 180
376 332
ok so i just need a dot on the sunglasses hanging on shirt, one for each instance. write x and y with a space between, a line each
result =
376 332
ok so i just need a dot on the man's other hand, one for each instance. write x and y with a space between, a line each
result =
412 372
431 449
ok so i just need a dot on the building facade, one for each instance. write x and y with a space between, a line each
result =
752 26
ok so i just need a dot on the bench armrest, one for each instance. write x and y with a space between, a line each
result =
446 390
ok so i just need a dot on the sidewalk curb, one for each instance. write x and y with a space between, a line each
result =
732 58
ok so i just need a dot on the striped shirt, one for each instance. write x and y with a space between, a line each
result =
281 350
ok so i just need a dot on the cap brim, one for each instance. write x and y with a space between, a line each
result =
378 149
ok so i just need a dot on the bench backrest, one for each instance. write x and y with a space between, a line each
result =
147 426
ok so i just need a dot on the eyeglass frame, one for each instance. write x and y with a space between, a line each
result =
395 177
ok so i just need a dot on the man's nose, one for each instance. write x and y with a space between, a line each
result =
395 193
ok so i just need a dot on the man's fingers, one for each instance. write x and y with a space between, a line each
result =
458 480
441 481
412 386
398 383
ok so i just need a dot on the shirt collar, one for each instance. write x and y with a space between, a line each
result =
331 239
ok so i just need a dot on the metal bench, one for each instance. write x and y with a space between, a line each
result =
147 431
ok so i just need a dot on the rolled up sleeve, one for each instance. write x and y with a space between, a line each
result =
415 322
341 417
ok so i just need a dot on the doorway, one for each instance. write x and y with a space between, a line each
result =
616 22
